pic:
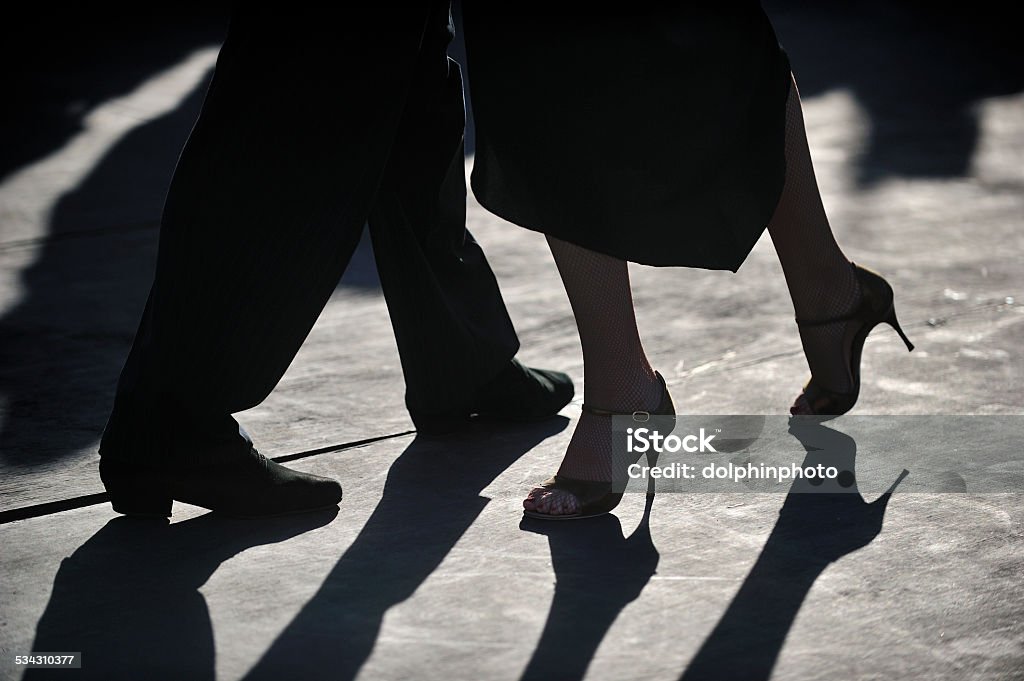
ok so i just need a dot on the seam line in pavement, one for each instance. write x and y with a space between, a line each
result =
78 234
61 505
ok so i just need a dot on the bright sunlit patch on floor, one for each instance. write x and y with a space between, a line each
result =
998 154
27 197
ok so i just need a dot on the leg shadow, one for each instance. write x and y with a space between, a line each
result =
816 526
129 598
63 64
68 336
598 573
918 72
430 499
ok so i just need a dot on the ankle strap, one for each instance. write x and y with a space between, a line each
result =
856 313
640 415
849 316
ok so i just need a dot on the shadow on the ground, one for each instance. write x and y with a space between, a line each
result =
598 572
128 599
817 526
916 69
431 497
63 63
64 341
82 297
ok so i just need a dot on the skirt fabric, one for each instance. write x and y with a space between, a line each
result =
655 136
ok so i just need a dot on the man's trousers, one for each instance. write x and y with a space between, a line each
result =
309 130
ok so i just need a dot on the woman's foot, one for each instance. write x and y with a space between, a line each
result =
827 346
850 330
589 455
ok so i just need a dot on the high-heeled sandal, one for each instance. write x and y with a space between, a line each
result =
595 497
875 308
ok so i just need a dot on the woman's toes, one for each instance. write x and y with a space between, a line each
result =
531 500
550 502
565 505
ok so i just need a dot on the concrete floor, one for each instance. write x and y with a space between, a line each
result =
427 569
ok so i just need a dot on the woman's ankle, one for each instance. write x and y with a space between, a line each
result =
638 390
826 294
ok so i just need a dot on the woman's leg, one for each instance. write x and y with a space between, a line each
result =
617 375
821 282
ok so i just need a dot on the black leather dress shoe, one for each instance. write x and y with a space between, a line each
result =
247 486
518 393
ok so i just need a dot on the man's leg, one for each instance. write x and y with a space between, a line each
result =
263 213
453 331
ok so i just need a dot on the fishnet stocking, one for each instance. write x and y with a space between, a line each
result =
821 284
617 375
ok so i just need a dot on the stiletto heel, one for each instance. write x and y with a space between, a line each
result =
895 324
875 308
595 497
652 457
652 462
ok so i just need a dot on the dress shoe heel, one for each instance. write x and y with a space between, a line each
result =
139 502
442 424
517 394
134 492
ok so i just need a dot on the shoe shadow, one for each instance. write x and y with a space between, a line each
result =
129 598
431 497
817 526
598 572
